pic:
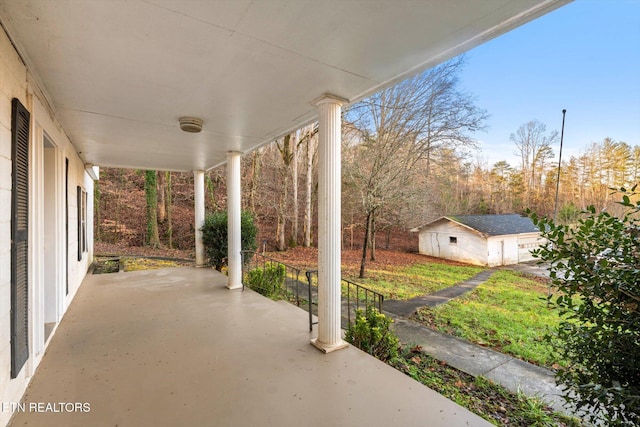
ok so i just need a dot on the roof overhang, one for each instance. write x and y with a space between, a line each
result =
119 74
447 219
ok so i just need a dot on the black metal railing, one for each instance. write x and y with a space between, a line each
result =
357 297
273 278
354 297
278 280
312 288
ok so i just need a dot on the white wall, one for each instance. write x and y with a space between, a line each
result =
46 226
470 246
13 84
473 248
503 250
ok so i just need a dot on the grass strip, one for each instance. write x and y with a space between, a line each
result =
481 396
416 280
507 313
137 264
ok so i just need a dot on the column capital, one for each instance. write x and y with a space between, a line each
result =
329 98
234 152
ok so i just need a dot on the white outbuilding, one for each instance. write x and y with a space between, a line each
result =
489 240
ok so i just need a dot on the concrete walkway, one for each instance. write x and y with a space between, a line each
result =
513 374
408 307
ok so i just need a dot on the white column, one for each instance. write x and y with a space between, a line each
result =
329 223
198 178
233 211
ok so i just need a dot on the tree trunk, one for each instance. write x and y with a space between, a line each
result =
211 190
293 241
117 227
162 207
386 246
281 244
96 209
151 195
309 188
363 262
169 200
253 184
373 236
285 153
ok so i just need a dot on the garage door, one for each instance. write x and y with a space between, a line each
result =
525 245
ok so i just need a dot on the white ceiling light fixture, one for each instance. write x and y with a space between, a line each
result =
190 124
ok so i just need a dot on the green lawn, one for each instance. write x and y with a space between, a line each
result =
508 313
134 264
416 280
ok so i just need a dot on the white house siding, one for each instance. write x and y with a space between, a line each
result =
470 246
48 269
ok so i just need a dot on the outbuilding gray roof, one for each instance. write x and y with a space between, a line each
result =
497 225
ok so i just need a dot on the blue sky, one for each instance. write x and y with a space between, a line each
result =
584 57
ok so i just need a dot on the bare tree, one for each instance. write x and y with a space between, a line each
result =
162 207
311 146
285 148
214 181
500 192
169 210
254 178
151 194
534 148
295 136
402 125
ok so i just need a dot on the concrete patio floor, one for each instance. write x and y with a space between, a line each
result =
174 347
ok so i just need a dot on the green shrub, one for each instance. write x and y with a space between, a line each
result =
215 239
371 332
268 281
595 270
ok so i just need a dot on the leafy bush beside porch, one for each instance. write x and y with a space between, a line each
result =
267 280
215 238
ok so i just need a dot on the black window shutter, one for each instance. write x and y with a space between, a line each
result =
79 202
19 237
66 225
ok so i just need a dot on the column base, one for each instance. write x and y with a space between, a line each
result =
328 348
232 287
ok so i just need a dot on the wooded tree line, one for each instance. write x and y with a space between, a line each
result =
409 156
144 208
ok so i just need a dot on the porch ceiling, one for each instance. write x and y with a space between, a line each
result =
119 74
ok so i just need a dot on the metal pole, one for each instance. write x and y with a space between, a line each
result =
555 209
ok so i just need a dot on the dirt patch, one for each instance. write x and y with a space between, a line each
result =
106 265
117 249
